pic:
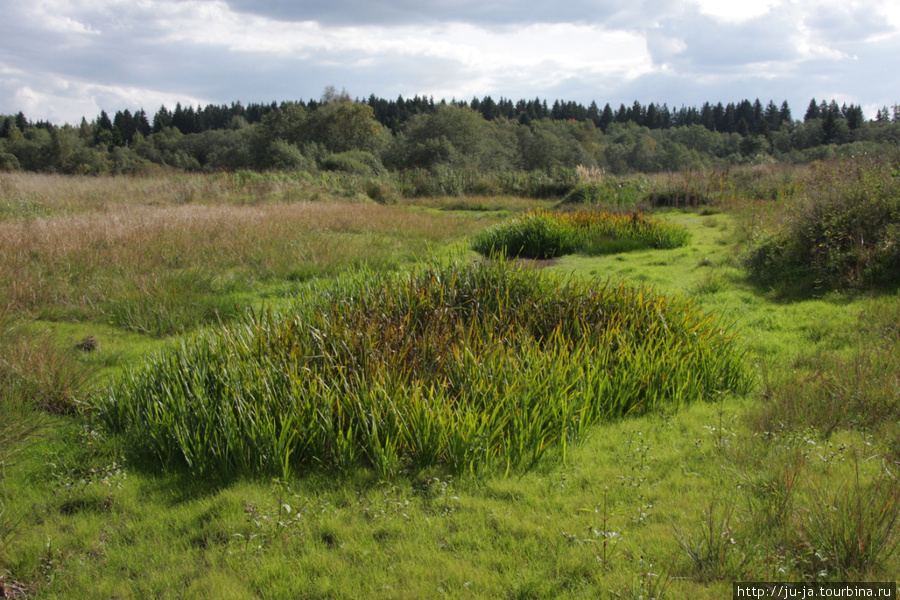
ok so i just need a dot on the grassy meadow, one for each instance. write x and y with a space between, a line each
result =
269 386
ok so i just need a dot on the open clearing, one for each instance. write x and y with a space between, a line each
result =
672 503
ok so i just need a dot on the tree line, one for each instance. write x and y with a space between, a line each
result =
336 132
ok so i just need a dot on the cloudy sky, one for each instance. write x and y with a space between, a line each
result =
64 59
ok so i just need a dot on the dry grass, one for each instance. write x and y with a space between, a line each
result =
96 243
732 188
25 196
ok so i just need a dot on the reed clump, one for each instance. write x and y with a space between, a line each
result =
463 367
543 234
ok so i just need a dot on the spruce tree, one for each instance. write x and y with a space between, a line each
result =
812 112
606 118
786 113
593 113
162 119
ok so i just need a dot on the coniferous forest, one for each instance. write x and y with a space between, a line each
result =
337 133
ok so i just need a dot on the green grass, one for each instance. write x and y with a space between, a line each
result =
796 481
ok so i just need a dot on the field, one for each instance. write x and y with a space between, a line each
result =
773 455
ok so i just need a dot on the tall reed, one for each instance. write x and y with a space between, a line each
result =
543 234
464 367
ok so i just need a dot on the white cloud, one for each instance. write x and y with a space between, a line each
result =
735 10
541 54
49 97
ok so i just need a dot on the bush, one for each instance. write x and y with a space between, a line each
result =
353 161
8 162
843 232
287 157
380 193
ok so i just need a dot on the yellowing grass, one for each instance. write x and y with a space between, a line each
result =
95 264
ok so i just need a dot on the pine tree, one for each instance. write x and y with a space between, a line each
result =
638 113
103 121
665 116
142 125
593 113
84 130
854 116
162 119
607 117
721 124
651 118
773 116
730 119
829 126
124 128
786 113
488 108
812 111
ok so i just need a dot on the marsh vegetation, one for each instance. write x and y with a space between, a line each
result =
296 391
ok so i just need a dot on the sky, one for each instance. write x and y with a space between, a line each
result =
61 60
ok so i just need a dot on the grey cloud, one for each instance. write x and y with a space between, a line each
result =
711 44
405 12
846 24
677 90
706 60
118 53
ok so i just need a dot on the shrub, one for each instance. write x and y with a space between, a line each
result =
843 233
353 161
287 157
465 367
380 193
8 162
